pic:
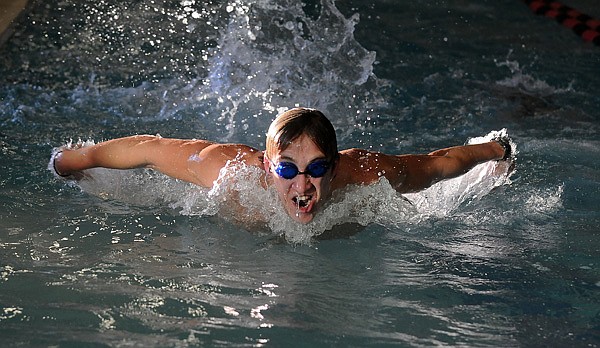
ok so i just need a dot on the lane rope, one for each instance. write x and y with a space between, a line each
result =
586 27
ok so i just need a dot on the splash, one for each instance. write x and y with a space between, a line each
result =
232 67
527 83
546 201
241 200
273 56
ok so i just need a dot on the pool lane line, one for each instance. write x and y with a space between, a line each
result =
587 27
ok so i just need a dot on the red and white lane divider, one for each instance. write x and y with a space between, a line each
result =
586 27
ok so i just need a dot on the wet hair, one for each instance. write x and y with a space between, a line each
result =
293 123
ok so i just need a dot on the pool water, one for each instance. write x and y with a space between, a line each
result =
136 259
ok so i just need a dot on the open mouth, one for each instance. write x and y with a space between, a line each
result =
302 201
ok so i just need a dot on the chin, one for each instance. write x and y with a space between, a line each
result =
300 216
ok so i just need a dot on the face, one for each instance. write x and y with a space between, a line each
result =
303 195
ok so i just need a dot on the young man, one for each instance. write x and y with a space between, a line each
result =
301 161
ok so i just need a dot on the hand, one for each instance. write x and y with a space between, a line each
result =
57 154
504 141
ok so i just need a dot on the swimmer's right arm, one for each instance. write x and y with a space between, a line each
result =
169 156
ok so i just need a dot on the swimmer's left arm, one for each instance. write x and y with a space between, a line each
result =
410 173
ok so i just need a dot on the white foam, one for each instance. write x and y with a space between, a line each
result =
546 201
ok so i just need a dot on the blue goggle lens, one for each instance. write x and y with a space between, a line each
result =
288 170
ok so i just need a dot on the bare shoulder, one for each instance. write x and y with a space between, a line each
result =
363 167
233 152
198 161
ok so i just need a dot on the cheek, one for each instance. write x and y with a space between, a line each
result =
281 185
320 185
323 185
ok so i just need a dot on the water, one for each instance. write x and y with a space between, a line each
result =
134 259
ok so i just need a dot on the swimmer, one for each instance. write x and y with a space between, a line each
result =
301 161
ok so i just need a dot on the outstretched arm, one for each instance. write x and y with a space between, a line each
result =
196 161
422 171
411 173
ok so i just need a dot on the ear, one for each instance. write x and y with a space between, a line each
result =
266 164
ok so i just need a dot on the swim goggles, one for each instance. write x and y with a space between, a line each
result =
289 170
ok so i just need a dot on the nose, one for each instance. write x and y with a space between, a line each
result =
302 182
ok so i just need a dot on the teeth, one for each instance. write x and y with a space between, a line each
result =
302 201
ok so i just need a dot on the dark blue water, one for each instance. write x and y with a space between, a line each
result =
134 259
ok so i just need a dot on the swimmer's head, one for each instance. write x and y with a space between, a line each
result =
300 161
293 123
